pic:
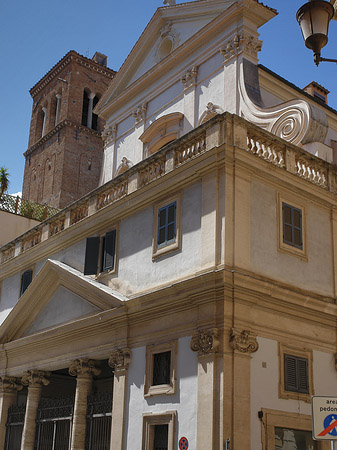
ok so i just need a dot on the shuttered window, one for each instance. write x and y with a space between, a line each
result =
296 377
166 224
292 226
26 279
100 253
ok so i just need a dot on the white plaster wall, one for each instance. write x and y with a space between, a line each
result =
210 84
136 270
10 291
269 99
73 255
264 384
184 401
62 307
316 273
129 146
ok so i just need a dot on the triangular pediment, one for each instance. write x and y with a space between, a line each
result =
57 295
177 24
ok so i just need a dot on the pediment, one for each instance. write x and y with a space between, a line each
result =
57 295
168 30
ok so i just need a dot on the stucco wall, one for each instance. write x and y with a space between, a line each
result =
315 274
12 226
184 401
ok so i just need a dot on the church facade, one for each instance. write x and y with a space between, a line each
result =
190 299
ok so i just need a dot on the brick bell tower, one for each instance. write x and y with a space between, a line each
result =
65 149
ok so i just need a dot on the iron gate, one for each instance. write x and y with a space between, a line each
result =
99 421
53 424
14 427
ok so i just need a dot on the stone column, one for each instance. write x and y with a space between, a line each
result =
58 107
243 343
35 380
90 108
119 362
83 369
44 109
206 344
189 80
9 388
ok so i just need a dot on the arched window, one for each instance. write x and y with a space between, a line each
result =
90 100
160 132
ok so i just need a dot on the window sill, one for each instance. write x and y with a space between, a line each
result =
162 389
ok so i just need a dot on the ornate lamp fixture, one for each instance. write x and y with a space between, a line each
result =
313 18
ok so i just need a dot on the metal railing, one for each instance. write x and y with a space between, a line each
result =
31 210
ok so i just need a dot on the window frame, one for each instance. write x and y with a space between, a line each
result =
27 269
174 244
272 419
297 353
101 237
150 420
284 246
160 389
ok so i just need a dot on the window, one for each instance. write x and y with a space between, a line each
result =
292 225
288 430
100 253
166 227
26 279
296 373
158 431
160 374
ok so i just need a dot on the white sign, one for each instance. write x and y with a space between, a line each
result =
324 418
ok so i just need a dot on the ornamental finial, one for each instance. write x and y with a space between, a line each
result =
169 2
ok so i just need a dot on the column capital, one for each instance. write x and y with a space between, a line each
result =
10 385
120 359
205 342
84 366
244 341
92 95
35 378
58 96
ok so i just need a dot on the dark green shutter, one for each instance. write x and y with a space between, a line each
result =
91 256
26 279
302 369
290 378
109 250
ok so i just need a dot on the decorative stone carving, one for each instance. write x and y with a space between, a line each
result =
211 111
206 341
120 359
244 341
140 113
109 134
168 41
169 2
35 378
190 77
124 166
10 384
84 366
241 42
295 121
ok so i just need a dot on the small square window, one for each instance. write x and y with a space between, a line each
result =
160 374
100 253
26 279
158 431
292 228
166 227
296 379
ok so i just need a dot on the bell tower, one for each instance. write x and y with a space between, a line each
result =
65 149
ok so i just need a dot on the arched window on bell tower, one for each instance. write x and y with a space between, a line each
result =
90 100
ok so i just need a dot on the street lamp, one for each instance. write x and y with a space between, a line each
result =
313 18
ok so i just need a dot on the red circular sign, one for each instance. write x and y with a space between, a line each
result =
183 443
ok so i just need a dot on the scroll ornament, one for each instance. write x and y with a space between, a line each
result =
244 341
84 366
119 360
205 342
35 378
10 384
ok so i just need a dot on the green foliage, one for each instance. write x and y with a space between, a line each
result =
4 180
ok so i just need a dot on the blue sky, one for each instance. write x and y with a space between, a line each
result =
35 35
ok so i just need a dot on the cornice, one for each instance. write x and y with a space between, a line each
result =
58 127
67 59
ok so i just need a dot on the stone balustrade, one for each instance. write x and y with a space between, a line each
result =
241 134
